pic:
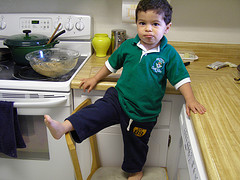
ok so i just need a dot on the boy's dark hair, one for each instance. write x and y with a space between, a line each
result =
162 7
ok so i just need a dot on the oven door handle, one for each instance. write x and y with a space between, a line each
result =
41 104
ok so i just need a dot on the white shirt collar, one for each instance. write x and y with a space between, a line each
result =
145 51
156 49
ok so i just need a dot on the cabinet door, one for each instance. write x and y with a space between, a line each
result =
165 115
158 148
110 146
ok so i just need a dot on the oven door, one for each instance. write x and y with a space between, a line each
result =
44 157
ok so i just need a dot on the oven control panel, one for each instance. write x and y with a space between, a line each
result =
76 27
37 25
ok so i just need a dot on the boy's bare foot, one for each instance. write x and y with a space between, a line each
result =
136 176
56 128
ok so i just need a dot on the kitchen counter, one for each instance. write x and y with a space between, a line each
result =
218 130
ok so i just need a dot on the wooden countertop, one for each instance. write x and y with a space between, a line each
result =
218 130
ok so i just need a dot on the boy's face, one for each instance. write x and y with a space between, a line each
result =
151 28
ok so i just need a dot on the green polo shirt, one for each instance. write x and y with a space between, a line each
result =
142 84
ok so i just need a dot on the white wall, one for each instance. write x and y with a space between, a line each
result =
206 21
214 21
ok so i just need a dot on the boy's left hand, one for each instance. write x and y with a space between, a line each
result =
191 103
195 107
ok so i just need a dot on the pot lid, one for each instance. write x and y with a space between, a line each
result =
26 39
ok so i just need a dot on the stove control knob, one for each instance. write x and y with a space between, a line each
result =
56 25
58 20
80 25
69 26
3 24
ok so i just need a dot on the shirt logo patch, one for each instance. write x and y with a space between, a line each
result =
139 131
157 66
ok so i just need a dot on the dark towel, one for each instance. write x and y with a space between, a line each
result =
10 134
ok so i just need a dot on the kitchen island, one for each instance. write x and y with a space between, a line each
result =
218 130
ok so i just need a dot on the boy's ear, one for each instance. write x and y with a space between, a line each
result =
167 27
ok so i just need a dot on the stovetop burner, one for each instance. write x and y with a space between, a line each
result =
3 68
5 55
11 71
27 73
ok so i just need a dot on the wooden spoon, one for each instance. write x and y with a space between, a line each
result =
54 33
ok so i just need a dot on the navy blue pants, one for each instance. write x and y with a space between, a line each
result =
106 112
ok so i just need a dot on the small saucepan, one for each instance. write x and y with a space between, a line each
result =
22 44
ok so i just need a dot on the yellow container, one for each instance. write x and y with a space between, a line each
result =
101 44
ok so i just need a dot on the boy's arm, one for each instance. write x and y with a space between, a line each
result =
191 103
90 83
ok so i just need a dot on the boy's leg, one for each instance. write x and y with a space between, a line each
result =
89 120
57 129
95 117
135 144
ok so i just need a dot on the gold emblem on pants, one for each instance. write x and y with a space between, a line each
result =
139 131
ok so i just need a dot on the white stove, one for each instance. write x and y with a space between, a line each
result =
78 36
44 157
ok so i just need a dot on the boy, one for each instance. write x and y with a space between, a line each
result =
147 61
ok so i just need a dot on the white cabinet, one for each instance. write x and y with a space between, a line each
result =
164 144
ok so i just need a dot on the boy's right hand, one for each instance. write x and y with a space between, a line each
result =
88 83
